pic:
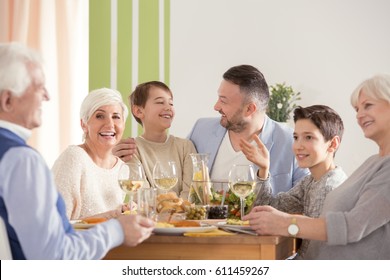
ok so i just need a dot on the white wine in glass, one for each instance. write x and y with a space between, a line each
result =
130 179
165 175
242 182
130 186
243 189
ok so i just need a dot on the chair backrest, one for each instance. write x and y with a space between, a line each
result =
5 250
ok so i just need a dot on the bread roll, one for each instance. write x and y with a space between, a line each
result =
169 202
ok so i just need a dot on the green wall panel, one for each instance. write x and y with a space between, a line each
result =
167 39
148 41
124 65
99 43
148 46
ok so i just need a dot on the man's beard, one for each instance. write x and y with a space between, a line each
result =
235 124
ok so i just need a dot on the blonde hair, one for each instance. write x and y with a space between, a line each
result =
376 87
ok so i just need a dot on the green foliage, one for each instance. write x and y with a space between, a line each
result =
233 202
282 102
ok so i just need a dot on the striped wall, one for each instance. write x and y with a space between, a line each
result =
128 45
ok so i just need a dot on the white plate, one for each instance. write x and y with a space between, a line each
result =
212 222
77 224
181 230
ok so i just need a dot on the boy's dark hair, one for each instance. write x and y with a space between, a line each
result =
325 118
251 82
141 94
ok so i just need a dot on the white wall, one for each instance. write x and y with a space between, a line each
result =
323 49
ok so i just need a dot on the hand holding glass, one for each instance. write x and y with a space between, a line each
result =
242 181
165 175
131 178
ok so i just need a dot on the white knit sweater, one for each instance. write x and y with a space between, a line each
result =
87 189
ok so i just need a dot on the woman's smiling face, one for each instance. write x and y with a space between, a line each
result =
373 116
106 125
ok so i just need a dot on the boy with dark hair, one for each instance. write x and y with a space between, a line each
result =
317 136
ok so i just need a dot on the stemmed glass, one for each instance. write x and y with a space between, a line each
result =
131 178
165 175
242 181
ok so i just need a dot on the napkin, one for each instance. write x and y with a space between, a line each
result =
216 232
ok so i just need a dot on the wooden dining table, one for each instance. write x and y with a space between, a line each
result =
234 247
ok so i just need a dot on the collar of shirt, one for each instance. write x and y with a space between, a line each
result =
21 131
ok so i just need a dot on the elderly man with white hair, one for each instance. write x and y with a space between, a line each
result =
30 205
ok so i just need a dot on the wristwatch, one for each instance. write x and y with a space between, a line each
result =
293 228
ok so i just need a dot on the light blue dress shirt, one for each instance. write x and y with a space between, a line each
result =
30 196
207 135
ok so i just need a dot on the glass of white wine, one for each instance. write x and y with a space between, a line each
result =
165 175
242 181
131 178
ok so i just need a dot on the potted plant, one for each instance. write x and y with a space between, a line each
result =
282 102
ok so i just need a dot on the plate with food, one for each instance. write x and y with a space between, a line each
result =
87 222
180 227
213 222
237 226
234 223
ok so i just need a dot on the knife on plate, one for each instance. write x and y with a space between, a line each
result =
234 229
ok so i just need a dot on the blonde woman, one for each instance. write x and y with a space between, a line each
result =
355 220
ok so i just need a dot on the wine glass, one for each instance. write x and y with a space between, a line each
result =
131 178
147 202
242 181
165 175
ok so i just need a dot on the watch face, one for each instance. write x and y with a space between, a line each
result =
293 229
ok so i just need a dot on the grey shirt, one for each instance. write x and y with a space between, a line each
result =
357 215
306 197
